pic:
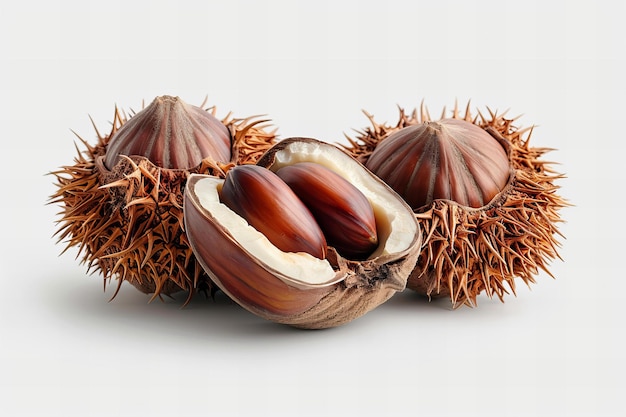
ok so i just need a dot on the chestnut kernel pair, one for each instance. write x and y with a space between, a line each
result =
302 207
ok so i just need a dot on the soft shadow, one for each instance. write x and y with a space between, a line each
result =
411 304
411 301
80 298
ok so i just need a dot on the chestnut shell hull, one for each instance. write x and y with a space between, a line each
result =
171 134
358 286
247 282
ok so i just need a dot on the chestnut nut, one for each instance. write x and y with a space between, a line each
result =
235 245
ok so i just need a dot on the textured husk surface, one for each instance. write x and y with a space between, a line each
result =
467 251
367 285
127 222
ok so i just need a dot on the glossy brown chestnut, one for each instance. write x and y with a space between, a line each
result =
449 159
171 134
271 207
343 213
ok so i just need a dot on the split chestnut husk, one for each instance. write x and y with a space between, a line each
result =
298 288
486 202
122 199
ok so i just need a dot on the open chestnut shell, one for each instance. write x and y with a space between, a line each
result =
487 202
121 199
296 288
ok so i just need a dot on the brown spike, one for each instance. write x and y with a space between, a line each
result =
455 110
425 116
468 113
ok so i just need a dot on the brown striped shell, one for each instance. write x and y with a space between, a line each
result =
449 159
172 135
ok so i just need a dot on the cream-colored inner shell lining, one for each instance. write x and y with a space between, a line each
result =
300 267
395 223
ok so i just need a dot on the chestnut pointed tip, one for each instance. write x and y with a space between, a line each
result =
448 159
171 134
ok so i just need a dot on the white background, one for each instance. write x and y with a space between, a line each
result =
556 349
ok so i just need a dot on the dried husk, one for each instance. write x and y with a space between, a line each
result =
127 221
468 251
357 287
